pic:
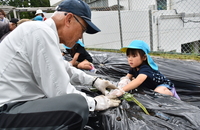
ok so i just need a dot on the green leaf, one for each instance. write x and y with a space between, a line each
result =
129 97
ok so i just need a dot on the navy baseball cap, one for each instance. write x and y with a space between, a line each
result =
81 9
14 20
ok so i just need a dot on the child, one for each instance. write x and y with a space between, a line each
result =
143 72
39 15
80 57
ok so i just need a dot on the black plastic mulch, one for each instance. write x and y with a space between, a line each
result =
166 113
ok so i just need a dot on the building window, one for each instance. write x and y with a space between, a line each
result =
161 4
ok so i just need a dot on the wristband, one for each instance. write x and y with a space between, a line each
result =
95 102
94 81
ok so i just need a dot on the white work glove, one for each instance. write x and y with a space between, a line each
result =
123 82
116 93
101 85
103 102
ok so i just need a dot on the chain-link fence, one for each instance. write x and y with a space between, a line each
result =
166 25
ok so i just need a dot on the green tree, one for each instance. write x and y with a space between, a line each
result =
40 3
26 3
3 2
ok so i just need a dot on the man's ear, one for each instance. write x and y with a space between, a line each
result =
68 18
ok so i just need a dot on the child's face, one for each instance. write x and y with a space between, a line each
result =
135 60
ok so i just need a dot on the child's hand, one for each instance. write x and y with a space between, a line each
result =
123 82
115 93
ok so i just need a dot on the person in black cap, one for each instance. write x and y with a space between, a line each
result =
6 28
37 85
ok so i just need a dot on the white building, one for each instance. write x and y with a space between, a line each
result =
167 25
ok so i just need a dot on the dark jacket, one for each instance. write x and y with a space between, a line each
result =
4 28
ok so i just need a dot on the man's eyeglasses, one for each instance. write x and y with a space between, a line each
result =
84 28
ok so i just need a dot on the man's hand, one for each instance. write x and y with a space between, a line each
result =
101 85
103 102
115 93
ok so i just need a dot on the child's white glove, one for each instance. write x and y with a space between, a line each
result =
103 102
116 93
123 82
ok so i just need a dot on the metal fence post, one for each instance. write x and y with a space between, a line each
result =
150 29
120 27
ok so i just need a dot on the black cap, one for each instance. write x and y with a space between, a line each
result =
14 20
81 9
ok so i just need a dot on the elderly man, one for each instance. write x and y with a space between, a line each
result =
36 84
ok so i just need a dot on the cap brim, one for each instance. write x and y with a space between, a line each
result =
124 49
91 29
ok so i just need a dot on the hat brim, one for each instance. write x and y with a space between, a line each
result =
123 49
91 29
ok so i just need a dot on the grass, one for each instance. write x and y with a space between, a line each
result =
167 55
180 56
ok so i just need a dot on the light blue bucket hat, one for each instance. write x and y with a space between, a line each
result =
138 44
78 42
